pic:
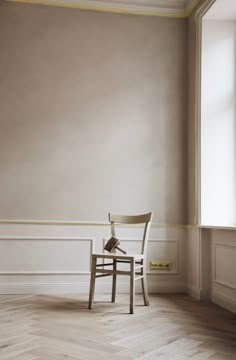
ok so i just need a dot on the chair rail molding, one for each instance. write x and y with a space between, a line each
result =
88 223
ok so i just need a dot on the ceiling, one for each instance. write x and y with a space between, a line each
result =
171 8
222 10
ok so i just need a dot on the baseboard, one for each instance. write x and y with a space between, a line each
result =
43 288
194 292
223 301
205 294
62 288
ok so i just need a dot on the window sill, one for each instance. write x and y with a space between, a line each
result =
221 227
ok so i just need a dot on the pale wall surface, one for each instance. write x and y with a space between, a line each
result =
93 114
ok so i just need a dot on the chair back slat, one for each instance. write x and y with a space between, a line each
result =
113 233
130 219
145 237
144 219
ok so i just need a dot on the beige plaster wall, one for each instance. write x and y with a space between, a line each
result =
93 114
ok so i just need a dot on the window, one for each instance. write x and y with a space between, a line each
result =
218 130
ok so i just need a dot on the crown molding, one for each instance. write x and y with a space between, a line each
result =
190 7
166 8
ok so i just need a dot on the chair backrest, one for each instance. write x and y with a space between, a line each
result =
144 219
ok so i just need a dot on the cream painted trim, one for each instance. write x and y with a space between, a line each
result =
51 222
196 126
192 4
44 273
116 8
99 6
87 223
213 227
194 292
200 11
81 288
48 238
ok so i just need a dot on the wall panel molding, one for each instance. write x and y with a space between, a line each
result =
88 223
216 279
45 239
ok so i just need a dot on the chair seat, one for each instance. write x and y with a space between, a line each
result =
119 256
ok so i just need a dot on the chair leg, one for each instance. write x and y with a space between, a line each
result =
113 296
144 286
132 286
92 282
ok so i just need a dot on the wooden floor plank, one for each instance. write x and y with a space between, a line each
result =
60 327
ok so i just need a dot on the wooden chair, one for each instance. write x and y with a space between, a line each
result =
137 262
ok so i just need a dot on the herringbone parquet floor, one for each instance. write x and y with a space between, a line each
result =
174 327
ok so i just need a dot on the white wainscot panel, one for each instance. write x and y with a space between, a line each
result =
225 269
163 250
34 255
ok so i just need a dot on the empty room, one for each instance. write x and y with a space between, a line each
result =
117 179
